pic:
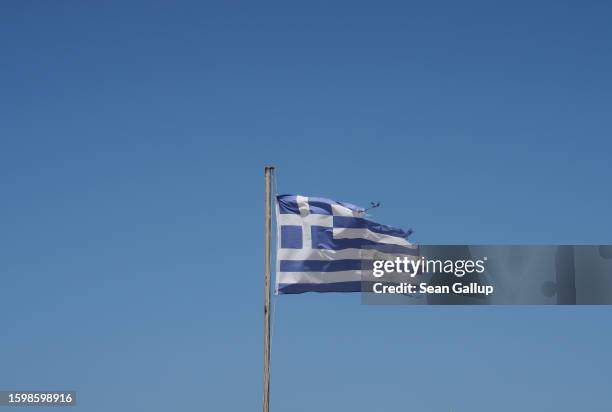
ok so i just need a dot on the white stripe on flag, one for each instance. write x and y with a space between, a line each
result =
319 277
324 254
312 219
344 233
302 202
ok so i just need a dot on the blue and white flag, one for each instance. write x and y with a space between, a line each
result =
329 246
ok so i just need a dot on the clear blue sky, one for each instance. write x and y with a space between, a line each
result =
132 143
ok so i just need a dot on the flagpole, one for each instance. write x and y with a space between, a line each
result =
268 240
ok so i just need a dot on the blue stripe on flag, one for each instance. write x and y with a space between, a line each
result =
319 206
351 286
361 223
324 265
290 288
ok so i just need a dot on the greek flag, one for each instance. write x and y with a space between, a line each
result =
329 246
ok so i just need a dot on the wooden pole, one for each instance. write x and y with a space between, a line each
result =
268 240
